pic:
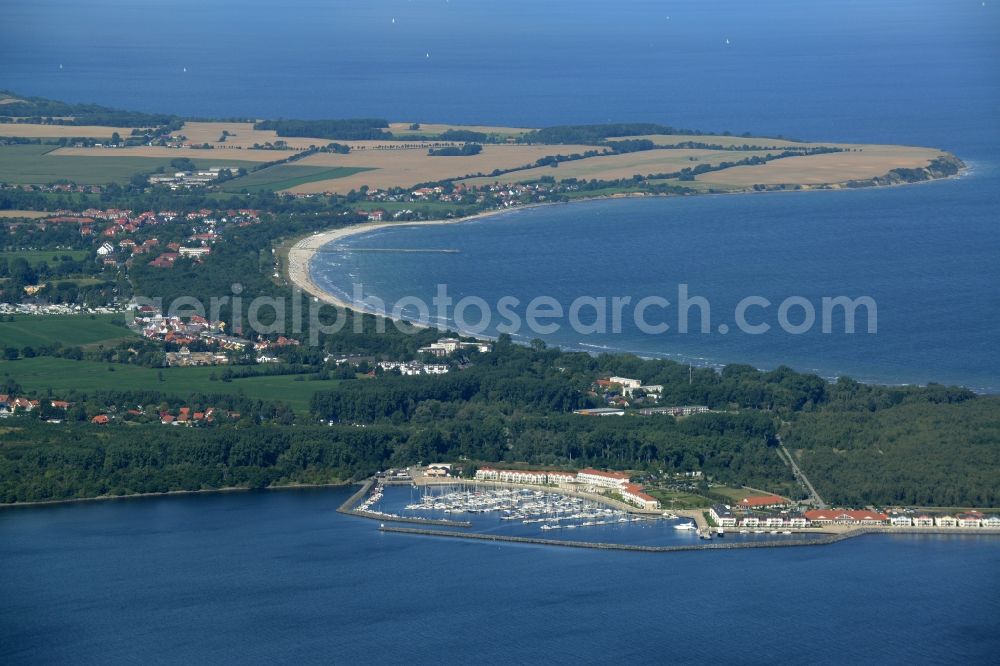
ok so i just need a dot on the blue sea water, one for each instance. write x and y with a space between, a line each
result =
936 290
279 576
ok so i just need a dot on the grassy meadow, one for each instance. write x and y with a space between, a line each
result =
285 176
69 330
64 375
36 257
26 164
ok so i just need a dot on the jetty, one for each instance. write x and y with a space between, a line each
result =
397 249
731 545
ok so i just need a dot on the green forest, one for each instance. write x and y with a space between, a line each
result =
859 443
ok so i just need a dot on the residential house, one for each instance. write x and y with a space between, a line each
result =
970 519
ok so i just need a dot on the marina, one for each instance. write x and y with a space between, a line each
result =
547 510
560 516
538 513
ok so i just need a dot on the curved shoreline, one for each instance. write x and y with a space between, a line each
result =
302 251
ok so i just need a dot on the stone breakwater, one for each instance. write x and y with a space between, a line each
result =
348 509
820 541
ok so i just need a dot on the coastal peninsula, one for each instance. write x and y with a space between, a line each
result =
103 397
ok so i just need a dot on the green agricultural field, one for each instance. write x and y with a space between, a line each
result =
69 330
32 164
284 176
35 257
736 494
670 499
63 375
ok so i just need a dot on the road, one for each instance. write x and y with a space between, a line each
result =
802 478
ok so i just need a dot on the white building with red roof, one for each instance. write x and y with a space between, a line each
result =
561 478
512 476
970 519
599 479
487 474
592 478
632 493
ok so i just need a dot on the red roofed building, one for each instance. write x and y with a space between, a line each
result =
100 419
165 260
24 404
633 493
846 517
595 477
765 502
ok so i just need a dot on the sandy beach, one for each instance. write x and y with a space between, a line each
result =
301 253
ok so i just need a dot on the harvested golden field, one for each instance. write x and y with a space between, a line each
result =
221 154
438 128
32 131
866 162
612 167
24 213
406 168
245 136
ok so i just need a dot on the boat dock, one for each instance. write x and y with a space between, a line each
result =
351 507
